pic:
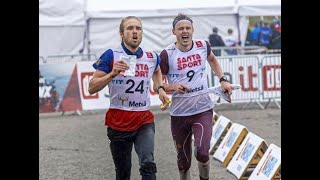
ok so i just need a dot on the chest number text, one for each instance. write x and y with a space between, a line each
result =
190 75
139 87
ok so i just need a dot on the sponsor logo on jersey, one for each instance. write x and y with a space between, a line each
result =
149 54
189 61
137 104
142 70
199 44
195 89
122 99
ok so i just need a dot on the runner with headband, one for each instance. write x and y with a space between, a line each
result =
183 63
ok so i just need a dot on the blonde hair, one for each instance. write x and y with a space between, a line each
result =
121 27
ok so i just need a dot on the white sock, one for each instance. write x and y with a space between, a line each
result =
204 169
185 176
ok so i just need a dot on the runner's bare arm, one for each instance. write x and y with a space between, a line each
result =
215 66
100 78
157 79
179 88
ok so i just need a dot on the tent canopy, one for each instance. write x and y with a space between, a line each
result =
142 8
61 12
64 28
259 7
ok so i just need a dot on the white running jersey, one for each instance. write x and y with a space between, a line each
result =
132 93
189 68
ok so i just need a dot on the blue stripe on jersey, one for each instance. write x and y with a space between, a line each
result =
105 61
138 53
158 61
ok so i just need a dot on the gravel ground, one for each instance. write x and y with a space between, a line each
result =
75 147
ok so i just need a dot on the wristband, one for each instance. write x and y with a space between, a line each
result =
161 87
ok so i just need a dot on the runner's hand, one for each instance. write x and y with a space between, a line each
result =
181 89
226 86
119 67
165 100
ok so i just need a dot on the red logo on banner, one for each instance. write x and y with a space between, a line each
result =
85 78
271 77
246 80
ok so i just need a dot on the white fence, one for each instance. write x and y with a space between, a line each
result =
259 76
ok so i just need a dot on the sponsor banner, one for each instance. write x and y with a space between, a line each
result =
245 154
269 165
99 100
271 76
243 70
64 87
58 90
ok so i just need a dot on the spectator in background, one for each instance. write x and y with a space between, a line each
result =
265 35
248 38
275 39
277 25
255 34
231 41
215 40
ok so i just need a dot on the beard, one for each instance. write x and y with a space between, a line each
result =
133 44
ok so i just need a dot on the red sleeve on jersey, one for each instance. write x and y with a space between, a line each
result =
208 48
164 62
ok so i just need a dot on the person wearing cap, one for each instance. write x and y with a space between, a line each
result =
129 120
183 63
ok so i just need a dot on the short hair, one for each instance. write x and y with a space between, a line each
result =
121 27
180 17
230 30
215 29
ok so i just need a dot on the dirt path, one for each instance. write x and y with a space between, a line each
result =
75 147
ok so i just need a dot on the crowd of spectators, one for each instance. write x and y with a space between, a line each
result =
264 34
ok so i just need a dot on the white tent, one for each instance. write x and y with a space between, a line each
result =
66 26
157 20
61 27
259 7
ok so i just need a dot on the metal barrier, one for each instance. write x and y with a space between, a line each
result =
70 58
258 75
238 50
271 75
243 70
274 51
